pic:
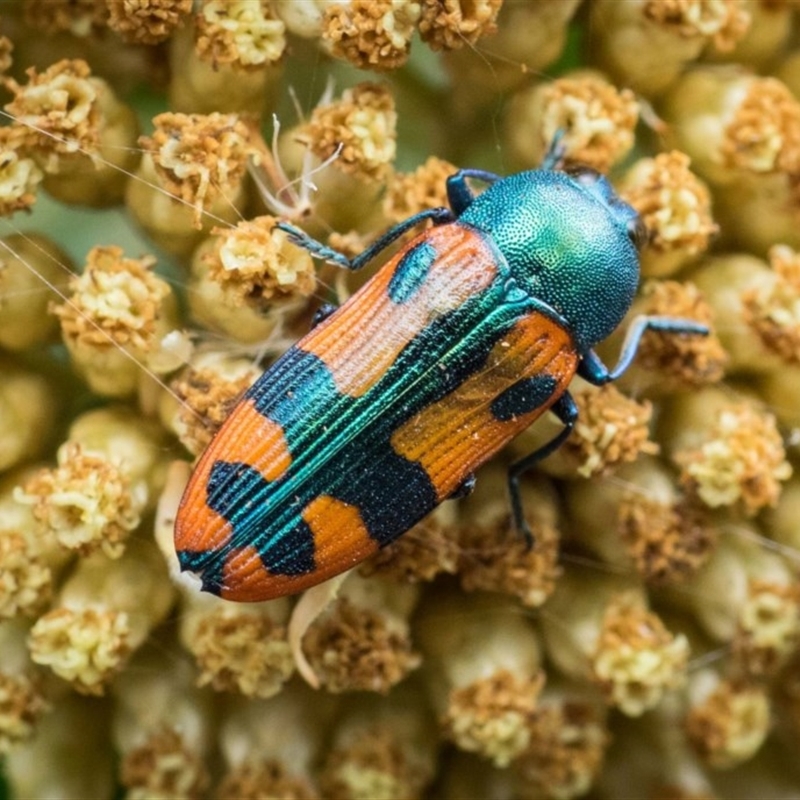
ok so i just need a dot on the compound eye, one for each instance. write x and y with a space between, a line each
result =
584 175
638 233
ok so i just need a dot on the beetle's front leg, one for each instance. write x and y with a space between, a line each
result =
302 239
459 195
555 151
567 412
595 371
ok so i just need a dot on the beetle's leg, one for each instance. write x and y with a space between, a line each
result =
302 239
567 412
555 151
317 249
322 313
459 195
595 371
464 489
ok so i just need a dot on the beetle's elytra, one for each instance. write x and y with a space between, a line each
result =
388 406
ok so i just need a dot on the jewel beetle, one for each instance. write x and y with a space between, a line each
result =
389 404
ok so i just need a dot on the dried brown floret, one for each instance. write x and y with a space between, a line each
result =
494 556
684 361
485 695
241 652
206 401
753 309
772 308
105 609
729 725
611 429
21 706
360 127
79 133
127 439
257 780
373 764
79 17
85 647
116 301
164 766
243 33
25 579
498 559
741 462
768 629
371 34
146 21
648 44
724 22
597 120
353 648
667 541
427 550
636 658
258 264
673 202
452 24
763 134
199 157
19 175
492 716
567 744
86 502
420 190
247 280
58 109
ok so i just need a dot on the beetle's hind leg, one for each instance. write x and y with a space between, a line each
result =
464 489
322 313
567 412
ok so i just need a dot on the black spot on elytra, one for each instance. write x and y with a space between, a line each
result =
236 492
523 396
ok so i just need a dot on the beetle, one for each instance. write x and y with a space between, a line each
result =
389 404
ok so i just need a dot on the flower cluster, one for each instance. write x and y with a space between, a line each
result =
647 644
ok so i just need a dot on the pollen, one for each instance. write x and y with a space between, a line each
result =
724 22
764 132
146 21
360 126
199 156
772 308
241 32
371 34
452 24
